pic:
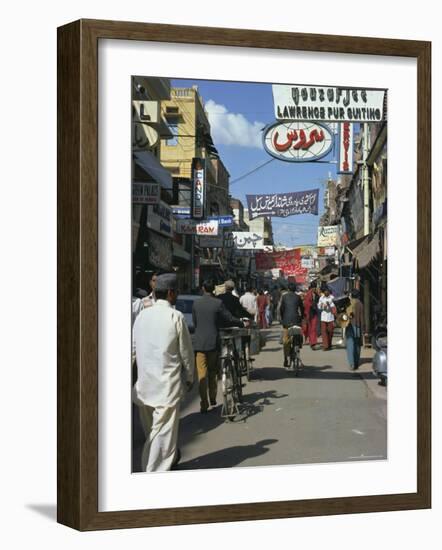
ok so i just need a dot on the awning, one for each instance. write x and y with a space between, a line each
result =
337 287
179 253
367 250
353 245
152 166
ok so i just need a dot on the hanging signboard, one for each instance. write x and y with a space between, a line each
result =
181 211
297 141
288 261
328 104
345 154
246 240
193 227
211 242
145 193
307 263
223 221
283 204
328 235
198 188
159 218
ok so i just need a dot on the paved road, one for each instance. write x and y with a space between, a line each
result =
327 414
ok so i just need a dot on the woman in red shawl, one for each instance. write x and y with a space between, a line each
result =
311 315
262 304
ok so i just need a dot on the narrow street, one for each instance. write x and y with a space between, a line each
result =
326 414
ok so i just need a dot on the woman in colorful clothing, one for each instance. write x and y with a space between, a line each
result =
354 330
311 315
262 304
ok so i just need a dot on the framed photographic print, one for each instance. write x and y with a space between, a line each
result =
230 280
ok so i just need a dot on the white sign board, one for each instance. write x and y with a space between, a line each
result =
328 235
328 104
297 141
248 240
307 263
193 227
145 193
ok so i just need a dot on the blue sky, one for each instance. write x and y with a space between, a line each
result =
237 113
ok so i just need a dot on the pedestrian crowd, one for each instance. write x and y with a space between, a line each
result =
166 357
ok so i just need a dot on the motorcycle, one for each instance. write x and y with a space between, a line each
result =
380 357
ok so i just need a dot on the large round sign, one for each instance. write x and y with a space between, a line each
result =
297 141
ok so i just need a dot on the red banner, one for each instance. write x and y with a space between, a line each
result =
289 261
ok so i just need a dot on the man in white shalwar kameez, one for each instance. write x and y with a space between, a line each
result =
165 357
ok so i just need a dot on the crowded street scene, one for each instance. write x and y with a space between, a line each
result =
259 266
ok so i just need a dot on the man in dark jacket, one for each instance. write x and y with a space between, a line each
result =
232 303
209 316
291 311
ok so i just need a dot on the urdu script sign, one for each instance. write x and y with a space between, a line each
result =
283 204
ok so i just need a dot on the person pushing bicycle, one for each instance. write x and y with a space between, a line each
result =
292 312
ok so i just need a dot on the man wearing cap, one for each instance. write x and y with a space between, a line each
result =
164 354
209 315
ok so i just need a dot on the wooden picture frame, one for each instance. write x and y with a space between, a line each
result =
78 274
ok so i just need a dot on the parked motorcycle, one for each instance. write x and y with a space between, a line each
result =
380 356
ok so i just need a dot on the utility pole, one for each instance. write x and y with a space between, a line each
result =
366 181
366 189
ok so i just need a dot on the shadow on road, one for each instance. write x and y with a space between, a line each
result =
269 373
227 458
254 403
321 373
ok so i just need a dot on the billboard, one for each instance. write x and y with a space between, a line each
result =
328 104
345 154
198 188
193 227
297 141
283 204
248 240
328 235
145 193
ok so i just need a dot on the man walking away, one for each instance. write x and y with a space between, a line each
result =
248 302
327 308
291 311
163 349
209 316
354 330
232 303
276 295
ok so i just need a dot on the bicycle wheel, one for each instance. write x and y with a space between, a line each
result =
297 361
227 384
294 359
236 379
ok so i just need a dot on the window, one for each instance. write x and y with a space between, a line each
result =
172 123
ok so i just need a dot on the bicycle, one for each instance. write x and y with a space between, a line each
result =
246 361
231 372
295 335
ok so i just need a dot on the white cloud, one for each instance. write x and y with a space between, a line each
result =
232 128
